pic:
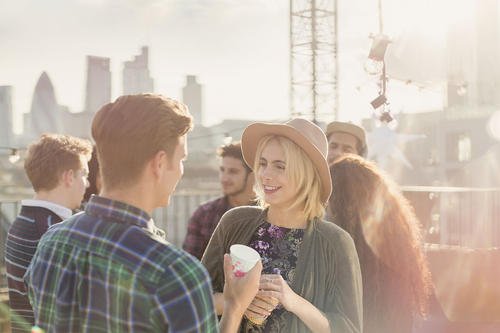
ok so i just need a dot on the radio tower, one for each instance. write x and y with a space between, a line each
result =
313 59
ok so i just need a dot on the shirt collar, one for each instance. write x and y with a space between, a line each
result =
118 211
61 211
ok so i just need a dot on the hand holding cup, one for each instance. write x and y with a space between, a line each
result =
243 259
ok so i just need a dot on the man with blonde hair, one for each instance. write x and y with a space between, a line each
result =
109 269
56 166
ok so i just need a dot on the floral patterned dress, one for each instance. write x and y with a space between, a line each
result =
279 249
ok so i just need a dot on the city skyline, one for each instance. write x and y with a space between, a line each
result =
238 51
136 74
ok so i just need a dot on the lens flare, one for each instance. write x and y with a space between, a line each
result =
493 126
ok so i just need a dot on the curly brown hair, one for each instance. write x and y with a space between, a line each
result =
369 206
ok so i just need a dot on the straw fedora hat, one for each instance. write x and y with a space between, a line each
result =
304 134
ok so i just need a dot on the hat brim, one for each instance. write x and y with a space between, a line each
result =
256 131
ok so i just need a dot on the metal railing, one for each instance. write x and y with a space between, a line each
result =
468 217
450 215
174 218
8 212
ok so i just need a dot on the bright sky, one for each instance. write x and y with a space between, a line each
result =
239 49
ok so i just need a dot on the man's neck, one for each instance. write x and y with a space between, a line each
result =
240 199
135 196
55 196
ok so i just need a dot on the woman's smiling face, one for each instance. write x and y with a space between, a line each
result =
278 189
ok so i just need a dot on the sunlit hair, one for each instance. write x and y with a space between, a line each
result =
301 173
131 130
51 155
370 207
233 150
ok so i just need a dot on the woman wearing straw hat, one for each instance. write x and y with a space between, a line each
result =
311 270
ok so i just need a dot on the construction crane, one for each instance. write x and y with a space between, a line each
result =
313 59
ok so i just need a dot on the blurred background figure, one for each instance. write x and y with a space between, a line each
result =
345 138
396 279
236 180
56 166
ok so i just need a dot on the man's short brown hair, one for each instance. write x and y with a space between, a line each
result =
131 130
233 150
50 156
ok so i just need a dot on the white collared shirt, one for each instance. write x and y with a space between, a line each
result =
63 212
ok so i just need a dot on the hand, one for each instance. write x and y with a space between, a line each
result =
261 306
240 291
273 285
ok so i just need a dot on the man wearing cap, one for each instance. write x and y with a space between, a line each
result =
345 138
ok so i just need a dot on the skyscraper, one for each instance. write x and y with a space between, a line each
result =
98 90
136 77
44 115
6 116
192 96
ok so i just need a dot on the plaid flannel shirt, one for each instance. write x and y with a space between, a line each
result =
107 270
202 224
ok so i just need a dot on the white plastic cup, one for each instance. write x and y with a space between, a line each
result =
243 258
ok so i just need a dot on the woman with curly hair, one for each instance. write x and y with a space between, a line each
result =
396 279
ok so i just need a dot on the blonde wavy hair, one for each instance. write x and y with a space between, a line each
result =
301 172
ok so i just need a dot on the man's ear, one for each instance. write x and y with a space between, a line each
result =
67 177
158 163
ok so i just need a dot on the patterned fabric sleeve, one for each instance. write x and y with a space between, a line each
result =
185 299
193 244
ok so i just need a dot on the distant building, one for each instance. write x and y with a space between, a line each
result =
457 142
76 124
192 96
136 76
6 135
457 149
98 91
44 116
473 52
454 142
